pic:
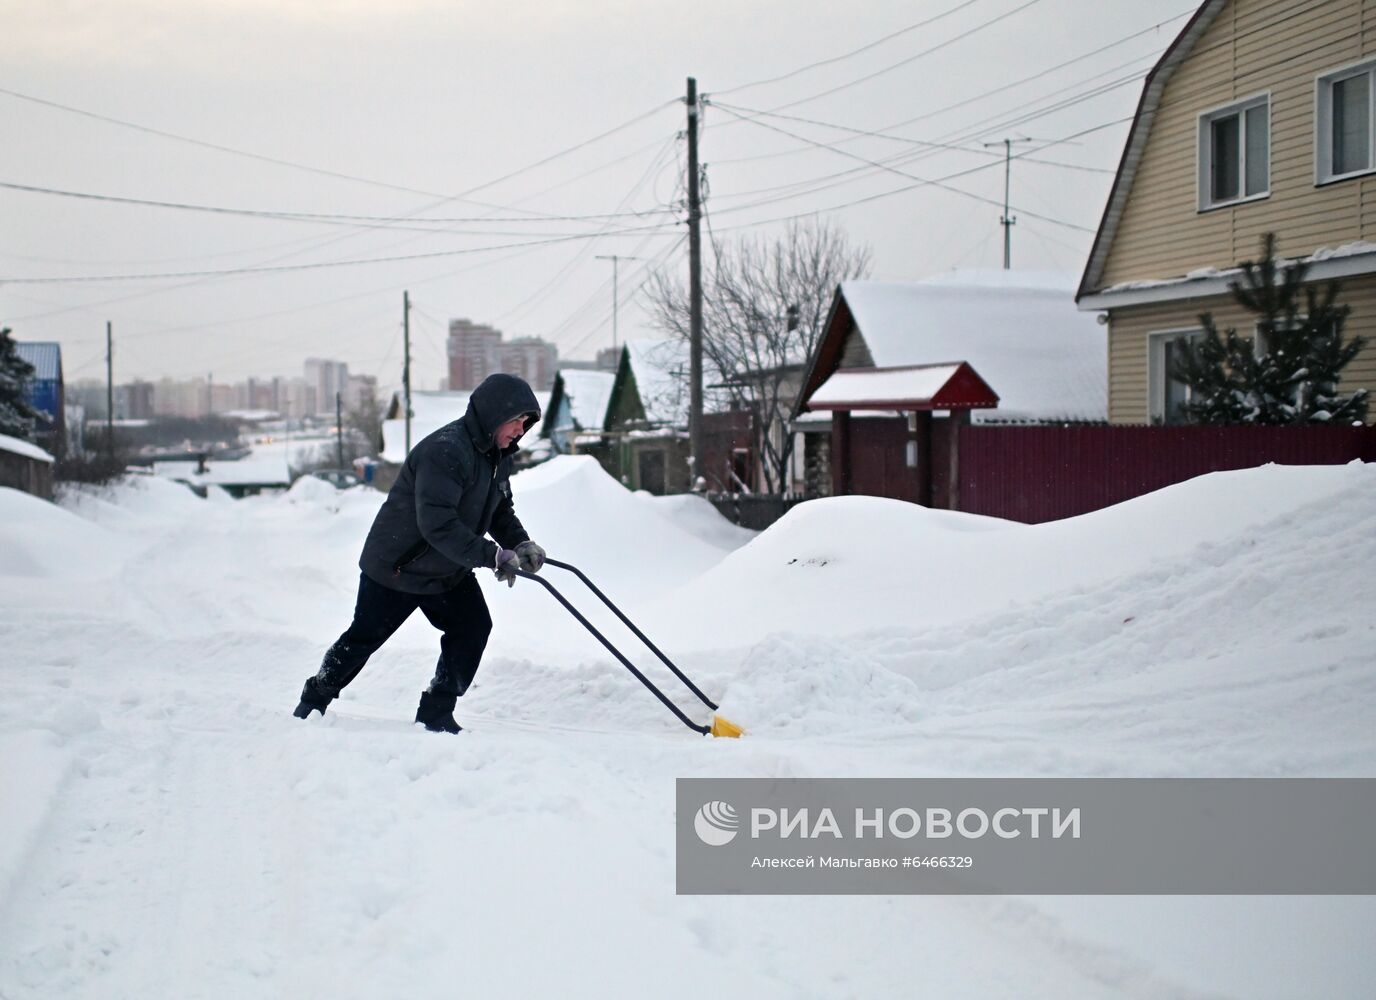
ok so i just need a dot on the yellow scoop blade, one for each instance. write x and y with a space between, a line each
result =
725 727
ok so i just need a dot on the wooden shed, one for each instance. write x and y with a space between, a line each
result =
896 448
25 466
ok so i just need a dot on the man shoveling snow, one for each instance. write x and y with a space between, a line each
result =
425 542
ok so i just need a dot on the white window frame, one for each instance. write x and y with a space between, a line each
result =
1157 375
1204 151
1323 121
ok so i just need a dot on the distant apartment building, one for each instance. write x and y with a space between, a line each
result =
181 398
193 398
328 377
89 394
133 401
296 398
360 393
474 353
531 358
607 361
260 394
477 350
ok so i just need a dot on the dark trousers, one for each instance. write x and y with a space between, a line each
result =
461 614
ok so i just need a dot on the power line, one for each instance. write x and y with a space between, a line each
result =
887 194
325 218
1003 120
582 251
921 181
910 59
1007 86
852 52
846 176
925 143
277 161
276 269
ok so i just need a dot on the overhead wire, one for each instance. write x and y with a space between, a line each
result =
316 265
853 52
1008 118
814 185
278 161
910 59
563 272
1002 87
921 181
895 191
323 218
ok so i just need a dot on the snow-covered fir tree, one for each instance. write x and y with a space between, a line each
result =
16 415
1289 373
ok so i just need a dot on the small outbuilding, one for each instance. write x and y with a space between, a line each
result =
46 392
25 466
903 366
577 410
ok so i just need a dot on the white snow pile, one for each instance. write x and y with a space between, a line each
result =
170 830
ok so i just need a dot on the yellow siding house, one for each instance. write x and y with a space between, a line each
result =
1259 117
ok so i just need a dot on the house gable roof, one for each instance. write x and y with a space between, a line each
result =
1152 90
659 372
954 386
45 356
1020 330
589 395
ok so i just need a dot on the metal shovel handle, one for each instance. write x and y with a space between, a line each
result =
705 730
631 625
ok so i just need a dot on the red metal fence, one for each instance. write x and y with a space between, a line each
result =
1036 474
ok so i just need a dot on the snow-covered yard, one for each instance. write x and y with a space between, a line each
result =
170 830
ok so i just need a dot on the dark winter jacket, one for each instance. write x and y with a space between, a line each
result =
454 488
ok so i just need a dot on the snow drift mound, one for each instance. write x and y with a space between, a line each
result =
631 541
38 539
851 564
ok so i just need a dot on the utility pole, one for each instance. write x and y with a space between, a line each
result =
109 389
694 291
339 428
1006 220
615 259
406 363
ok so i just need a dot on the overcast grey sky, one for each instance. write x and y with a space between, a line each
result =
444 110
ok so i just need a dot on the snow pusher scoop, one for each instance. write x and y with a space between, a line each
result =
719 726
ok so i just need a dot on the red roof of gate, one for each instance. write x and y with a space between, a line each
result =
954 386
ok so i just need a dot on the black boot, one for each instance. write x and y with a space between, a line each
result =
312 700
436 712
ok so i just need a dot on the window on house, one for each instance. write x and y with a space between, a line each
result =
1168 395
1345 124
1235 153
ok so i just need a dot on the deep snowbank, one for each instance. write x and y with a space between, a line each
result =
849 564
171 830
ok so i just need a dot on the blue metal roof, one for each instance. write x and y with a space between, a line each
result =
45 356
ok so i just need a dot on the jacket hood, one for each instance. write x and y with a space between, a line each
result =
498 399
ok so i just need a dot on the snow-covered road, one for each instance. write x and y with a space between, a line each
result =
170 830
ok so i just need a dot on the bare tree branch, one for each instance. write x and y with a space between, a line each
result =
764 303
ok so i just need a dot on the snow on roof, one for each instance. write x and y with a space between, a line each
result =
45 356
661 370
17 446
589 393
1357 248
883 385
1021 330
432 410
